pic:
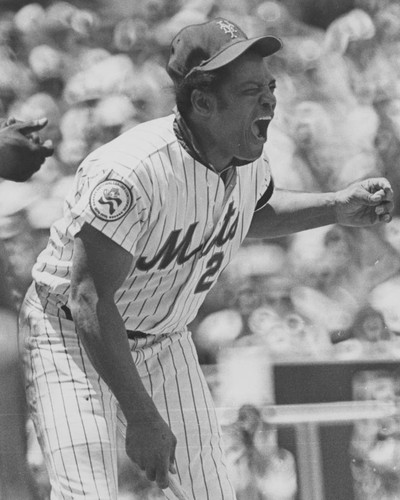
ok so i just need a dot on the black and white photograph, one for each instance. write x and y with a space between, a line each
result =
200 250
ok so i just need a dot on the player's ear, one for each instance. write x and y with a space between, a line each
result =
202 102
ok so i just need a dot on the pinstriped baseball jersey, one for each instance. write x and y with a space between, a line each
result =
181 222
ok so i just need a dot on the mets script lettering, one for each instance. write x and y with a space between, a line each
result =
176 247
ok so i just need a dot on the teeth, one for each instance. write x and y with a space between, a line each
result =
261 123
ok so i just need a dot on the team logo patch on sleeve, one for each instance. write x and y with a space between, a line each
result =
111 200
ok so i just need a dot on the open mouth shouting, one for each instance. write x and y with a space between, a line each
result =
260 126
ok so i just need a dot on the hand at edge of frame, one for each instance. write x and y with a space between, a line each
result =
365 203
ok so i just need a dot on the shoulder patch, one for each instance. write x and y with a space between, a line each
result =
111 200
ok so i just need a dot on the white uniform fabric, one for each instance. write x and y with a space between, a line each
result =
182 223
76 416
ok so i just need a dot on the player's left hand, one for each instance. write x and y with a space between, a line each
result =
365 203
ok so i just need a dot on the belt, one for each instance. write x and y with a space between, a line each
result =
132 334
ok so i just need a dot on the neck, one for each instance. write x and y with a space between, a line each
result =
208 146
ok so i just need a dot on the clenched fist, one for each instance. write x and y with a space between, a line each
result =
365 203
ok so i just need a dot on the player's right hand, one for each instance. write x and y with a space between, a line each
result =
151 444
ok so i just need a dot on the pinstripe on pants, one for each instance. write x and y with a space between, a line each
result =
77 416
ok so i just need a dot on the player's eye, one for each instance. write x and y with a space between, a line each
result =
252 91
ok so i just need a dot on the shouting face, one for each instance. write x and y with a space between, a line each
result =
245 105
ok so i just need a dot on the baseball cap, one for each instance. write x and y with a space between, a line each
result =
212 45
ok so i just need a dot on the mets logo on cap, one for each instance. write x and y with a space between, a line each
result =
111 200
228 28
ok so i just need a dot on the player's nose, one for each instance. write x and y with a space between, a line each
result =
268 99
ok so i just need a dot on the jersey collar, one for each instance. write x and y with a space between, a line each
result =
187 140
189 143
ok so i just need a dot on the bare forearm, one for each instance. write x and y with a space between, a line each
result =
103 334
291 211
99 269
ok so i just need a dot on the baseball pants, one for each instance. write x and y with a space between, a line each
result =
77 417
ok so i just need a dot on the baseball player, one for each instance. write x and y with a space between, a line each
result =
153 218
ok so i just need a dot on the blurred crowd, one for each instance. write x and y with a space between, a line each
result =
375 444
327 294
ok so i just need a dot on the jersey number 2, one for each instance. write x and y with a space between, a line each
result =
207 278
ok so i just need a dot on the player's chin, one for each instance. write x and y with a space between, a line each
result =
251 153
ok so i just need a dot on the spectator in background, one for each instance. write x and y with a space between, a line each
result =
369 326
375 444
260 469
354 262
370 338
22 153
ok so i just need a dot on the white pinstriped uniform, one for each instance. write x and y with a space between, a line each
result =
182 223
